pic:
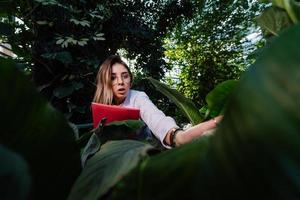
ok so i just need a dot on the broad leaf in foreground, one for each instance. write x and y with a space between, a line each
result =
108 166
31 127
117 130
15 180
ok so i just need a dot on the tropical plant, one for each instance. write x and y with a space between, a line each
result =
212 46
280 15
187 106
37 133
14 173
216 100
107 167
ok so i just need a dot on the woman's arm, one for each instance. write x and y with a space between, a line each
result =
183 137
155 119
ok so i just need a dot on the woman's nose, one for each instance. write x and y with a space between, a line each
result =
120 81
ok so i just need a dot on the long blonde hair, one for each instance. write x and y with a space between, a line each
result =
104 93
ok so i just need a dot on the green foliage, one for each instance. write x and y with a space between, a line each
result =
255 152
63 56
14 176
212 46
280 15
132 125
128 129
32 128
5 29
292 8
107 167
273 20
117 130
66 90
218 98
187 106
169 175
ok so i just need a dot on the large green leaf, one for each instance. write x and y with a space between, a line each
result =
292 7
255 152
187 107
294 10
133 125
15 180
259 142
34 129
171 174
117 130
274 20
126 129
217 99
114 160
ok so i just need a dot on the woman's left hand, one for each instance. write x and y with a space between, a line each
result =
183 137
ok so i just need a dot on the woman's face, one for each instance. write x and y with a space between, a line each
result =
121 81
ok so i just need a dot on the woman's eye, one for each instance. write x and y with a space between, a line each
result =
125 76
113 78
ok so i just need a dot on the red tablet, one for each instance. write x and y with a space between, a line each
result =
112 113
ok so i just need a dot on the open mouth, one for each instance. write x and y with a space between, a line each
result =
121 90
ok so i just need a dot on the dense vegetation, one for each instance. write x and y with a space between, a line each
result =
254 153
213 46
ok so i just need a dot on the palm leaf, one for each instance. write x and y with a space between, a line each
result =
187 107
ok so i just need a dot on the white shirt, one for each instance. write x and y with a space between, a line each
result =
155 119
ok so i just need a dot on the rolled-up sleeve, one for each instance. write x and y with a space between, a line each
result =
155 119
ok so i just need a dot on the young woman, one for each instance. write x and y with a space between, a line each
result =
114 81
